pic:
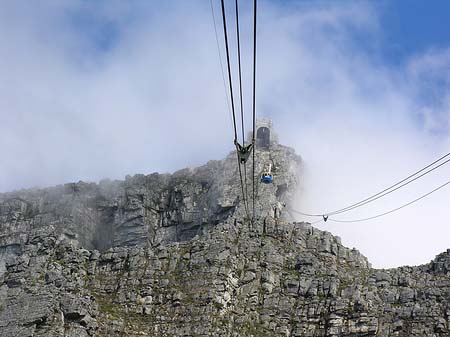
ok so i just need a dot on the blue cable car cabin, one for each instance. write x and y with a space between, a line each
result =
267 178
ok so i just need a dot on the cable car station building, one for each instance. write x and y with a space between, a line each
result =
265 136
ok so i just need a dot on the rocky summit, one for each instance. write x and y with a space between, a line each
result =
177 255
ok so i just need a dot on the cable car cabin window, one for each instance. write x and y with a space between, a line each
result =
263 137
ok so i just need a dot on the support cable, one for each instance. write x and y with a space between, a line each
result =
232 101
254 99
221 63
240 72
406 181
391 189
395 209
240 96
230 82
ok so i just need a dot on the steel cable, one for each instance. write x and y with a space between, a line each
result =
386 191
232 102
254 99
221 63
395 209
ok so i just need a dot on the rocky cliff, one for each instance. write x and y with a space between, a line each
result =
176 255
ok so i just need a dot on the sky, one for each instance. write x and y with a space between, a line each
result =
360 89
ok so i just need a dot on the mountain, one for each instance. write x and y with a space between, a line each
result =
176 255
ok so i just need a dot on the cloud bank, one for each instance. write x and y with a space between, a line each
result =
106 89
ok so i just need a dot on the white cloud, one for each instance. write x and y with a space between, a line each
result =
70 112
151 99
358 126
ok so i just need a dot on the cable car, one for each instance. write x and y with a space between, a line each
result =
266 176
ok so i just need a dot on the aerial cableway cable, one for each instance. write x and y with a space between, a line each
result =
239 71
406 181
254 100
396 186
238 147
240 95
395 209
230 83
221 63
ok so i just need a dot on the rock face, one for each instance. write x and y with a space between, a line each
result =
146 210
176 255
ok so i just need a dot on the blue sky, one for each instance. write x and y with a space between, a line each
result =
407 27
413 26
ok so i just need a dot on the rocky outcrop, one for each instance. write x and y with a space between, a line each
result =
146 209
176 255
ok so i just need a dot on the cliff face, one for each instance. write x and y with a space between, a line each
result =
175 255
146 210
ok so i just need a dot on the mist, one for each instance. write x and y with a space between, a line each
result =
103 90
